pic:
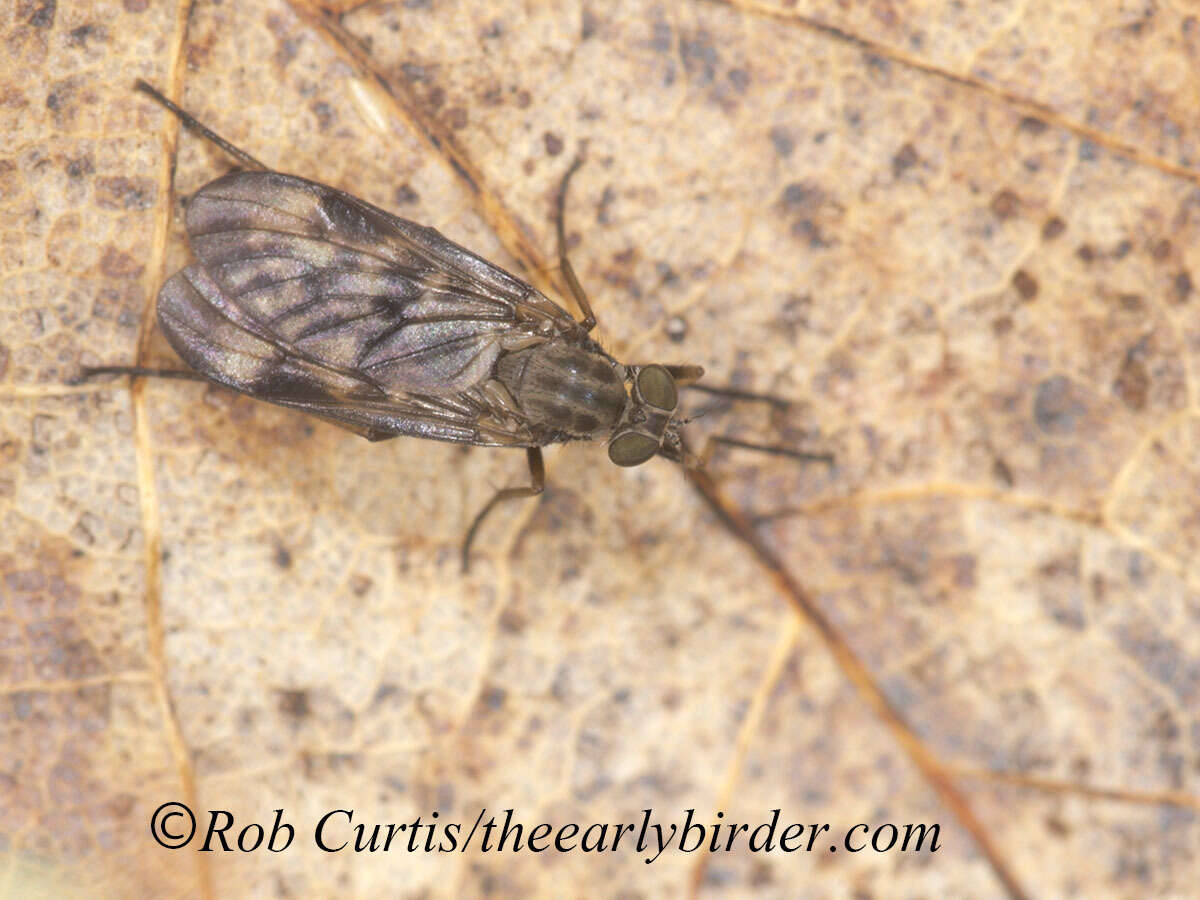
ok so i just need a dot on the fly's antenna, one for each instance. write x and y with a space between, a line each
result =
692 418
191 123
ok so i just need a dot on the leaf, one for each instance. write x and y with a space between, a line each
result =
961 241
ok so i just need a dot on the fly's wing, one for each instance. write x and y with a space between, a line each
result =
311 298
335 279
212 336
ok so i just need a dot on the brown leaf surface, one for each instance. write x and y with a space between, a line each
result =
962 239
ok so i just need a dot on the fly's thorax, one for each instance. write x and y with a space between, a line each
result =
565 387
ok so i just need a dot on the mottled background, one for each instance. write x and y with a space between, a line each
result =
962 238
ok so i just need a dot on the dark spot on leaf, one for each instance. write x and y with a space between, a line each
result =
78 168
1057 408
1161 658
360 584
1160 249
493 696
1053 227
1183 287
1056 826
607 197
1005 204
1086 252
283 557
1002 325
414 72
810 232
589 25
1025 284
1002 472
79 37
1122 249
1133 381
121 192
457 118
1131 302
39 14
700 56
904 159
57 650
512 621
804 196
404 195
740 79
324 114
554 144
1088 151
1165 727
661 40
781 140
1060 590
294 704
116 264
286 46
1033 125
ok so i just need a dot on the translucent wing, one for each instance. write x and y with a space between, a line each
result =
337 280
209 333
310 298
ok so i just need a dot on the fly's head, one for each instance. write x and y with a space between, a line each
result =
648 427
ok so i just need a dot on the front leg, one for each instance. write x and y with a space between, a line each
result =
537 479
589 317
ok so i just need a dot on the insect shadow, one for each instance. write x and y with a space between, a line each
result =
310 298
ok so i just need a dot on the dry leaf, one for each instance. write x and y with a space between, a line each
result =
962 239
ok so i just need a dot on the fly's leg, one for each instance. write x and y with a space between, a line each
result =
537 479
193 124
686 376
682 373
716 440
568 271
86 373
737 394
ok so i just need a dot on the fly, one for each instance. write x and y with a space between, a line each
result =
310 298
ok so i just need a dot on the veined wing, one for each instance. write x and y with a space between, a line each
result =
214 336
337 281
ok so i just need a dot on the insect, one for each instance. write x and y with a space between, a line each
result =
310 298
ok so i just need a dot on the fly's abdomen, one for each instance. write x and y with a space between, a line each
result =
565 388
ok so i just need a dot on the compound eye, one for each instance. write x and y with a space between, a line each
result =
657 388
631 449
